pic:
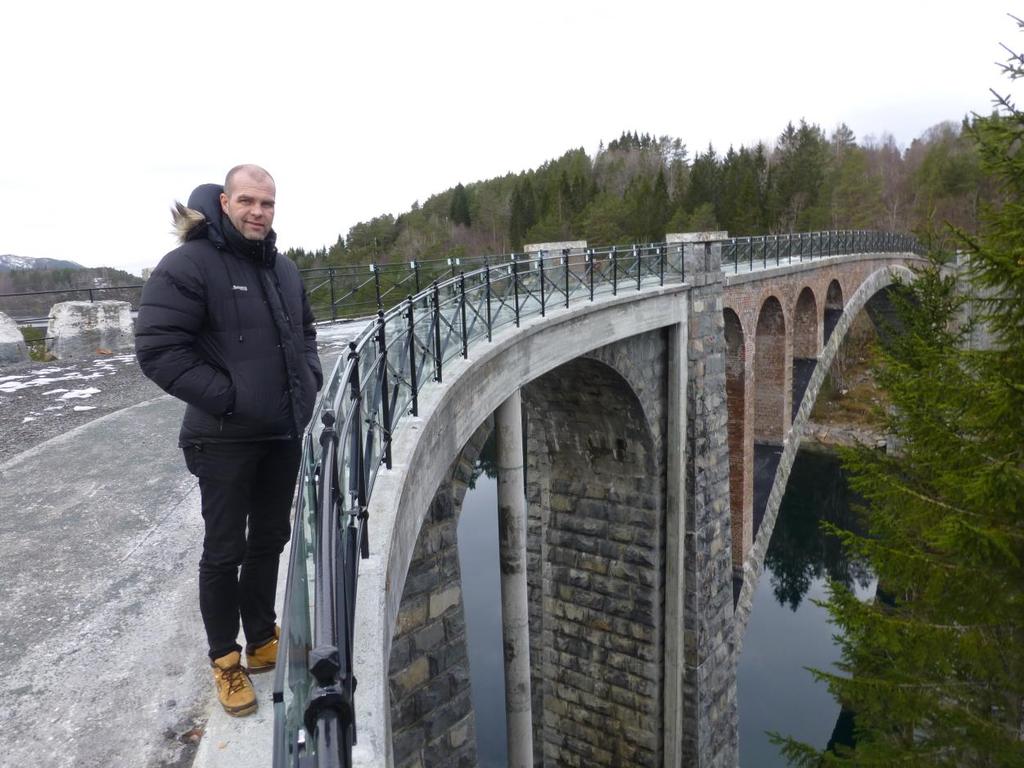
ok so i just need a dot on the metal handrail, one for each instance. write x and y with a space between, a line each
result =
380 380
360 290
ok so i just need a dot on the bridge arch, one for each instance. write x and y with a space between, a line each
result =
805 344
737 374
833 307
875 283
597 517
769 373
429 443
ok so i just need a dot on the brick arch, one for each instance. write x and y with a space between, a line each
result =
740 479
770 373
805 344
873 284
597 549
833 307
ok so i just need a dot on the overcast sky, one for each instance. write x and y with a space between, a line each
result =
109 111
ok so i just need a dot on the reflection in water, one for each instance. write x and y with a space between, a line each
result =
481 598
787 631
799 553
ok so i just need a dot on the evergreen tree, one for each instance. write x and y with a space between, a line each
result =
799 161
704 182
934 668
458 211
660 209
523 213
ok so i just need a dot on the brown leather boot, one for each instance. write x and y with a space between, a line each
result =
263 657
234 688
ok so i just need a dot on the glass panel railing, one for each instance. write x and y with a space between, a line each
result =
291 677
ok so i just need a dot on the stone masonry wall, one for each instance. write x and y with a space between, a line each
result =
596 492
709 685
431 711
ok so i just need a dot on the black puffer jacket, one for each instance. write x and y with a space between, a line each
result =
224 324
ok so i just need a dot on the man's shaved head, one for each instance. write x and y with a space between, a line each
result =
248 200
253 171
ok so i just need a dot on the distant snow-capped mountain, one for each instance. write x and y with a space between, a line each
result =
9 262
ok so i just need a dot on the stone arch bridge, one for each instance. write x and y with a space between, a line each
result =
650 401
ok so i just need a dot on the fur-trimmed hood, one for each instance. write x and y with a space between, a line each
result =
201 217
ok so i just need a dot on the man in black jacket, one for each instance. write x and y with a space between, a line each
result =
224 324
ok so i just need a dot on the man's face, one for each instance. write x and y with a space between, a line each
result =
250 206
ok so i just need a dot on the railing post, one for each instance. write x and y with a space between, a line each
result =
385 398
662 253
750 257
636 258
415 266
565 262
590 261
615 272
487 278
328 713
360 493
334 314
540 268
412 358
436 299
514 271
462 307
376 284
358 456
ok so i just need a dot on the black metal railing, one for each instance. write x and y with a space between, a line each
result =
410 346
763 251
358 291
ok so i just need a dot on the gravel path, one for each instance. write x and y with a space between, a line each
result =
39 401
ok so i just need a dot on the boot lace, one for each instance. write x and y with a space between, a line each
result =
236 678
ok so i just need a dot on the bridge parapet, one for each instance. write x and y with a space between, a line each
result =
409 396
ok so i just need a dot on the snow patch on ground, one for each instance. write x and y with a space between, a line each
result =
85 407
80 394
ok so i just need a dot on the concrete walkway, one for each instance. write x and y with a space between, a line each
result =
100 533
101 641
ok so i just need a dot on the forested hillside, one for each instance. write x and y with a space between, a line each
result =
71 283
639 187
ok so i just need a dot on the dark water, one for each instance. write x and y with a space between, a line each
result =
481 598
786 632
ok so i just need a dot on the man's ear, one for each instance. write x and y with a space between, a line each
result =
223 202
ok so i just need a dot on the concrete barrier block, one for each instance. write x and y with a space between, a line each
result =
12 344
80 329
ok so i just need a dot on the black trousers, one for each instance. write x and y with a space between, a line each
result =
246 491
